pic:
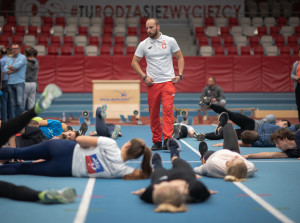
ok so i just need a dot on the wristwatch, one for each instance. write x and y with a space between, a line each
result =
180 76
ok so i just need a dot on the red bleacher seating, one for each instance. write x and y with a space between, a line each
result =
233 21
284 51
281 21
45 30
66 50
94 41
7 30
245 50
203 41
143 36
60 21
108 21
258 50
132 31
215 41
119 41
11 20
225 31
23 48
210 21
52 50
274 31
253 41
199 31
83 31
32 30
228 41
219 51
20 30
143 30
17 39
297 31
107 30
295 50
68 41
232 51
105 50
78 51
4 40
118 51
292 41
130 50
47 21
106 40
42 40
55 41
262 31
279 41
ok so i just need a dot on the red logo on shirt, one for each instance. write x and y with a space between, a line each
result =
93 165
164 44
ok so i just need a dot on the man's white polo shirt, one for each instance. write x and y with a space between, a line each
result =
158 54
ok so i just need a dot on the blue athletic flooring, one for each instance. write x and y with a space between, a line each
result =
76 103
276 182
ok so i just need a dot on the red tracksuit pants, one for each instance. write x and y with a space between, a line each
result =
161 93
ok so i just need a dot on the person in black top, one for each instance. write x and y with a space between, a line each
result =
287 141
171 189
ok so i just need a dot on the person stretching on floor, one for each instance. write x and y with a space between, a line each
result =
103 129
89 156
171 189
287 141
244 122
226 163
183 131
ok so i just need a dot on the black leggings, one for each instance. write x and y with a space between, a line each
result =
101 128
297 93
20 193
230 141
15 125
241 120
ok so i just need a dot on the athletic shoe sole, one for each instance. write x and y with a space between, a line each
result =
116 132
103 111
223 119
51 92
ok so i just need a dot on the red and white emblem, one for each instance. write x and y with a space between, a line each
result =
164 44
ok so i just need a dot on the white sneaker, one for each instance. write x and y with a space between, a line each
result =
116 132
51 92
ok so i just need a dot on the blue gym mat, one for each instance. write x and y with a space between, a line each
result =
271 196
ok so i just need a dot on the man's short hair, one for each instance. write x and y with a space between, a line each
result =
28 52
282 133
288 123
34 52
155 20
214 79
249 137
3 51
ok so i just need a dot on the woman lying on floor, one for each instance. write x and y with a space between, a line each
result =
88 156
171 189
228 162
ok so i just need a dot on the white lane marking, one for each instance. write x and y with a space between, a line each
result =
188 145
281 217
85 202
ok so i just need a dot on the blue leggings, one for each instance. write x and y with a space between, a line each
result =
101 128
57 153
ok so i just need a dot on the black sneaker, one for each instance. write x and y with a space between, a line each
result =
83 129
205 101
156 161
174 147
223 119
200 137
176 133
166 144
203 148
156 146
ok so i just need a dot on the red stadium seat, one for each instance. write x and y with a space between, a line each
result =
228 41
66 50
106 40
23 48
20 30
78 51
219 51
94 41
295 50
45 30
47 21
42 40
262 31
52 50
253 41
55 41
4 40
32 30
232 51
199 31
7 30
68 41
107 30
143 36
105 50
215 41
279 41
233 21
297 31
210 21
292 41
245 50
17 39
11 20
143 30
143 21
281 21
108 21
259 50
285 51
203 41
130 50
83 31
119 41
225 31
118 51
274 31
60 21
132 31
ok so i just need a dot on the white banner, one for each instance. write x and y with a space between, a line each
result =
168 9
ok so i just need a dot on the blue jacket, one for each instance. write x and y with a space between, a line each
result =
264 134
19 65
3 62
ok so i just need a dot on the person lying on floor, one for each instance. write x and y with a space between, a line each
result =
22 193
183 131
88 156
103 129
244 122
172 189
262 137
287 141
227 163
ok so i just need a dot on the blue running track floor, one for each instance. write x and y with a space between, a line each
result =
271 196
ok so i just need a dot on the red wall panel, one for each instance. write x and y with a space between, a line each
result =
47 71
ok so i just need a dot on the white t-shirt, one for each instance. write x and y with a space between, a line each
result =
215 165
158 54
103 161
189 128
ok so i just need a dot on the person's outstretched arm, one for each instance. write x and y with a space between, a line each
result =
266 155
87 141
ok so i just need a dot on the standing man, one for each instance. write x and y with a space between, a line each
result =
296 77
16 70
214 93
4 85
160 79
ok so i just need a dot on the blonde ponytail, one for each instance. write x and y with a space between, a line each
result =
166 207
231 178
